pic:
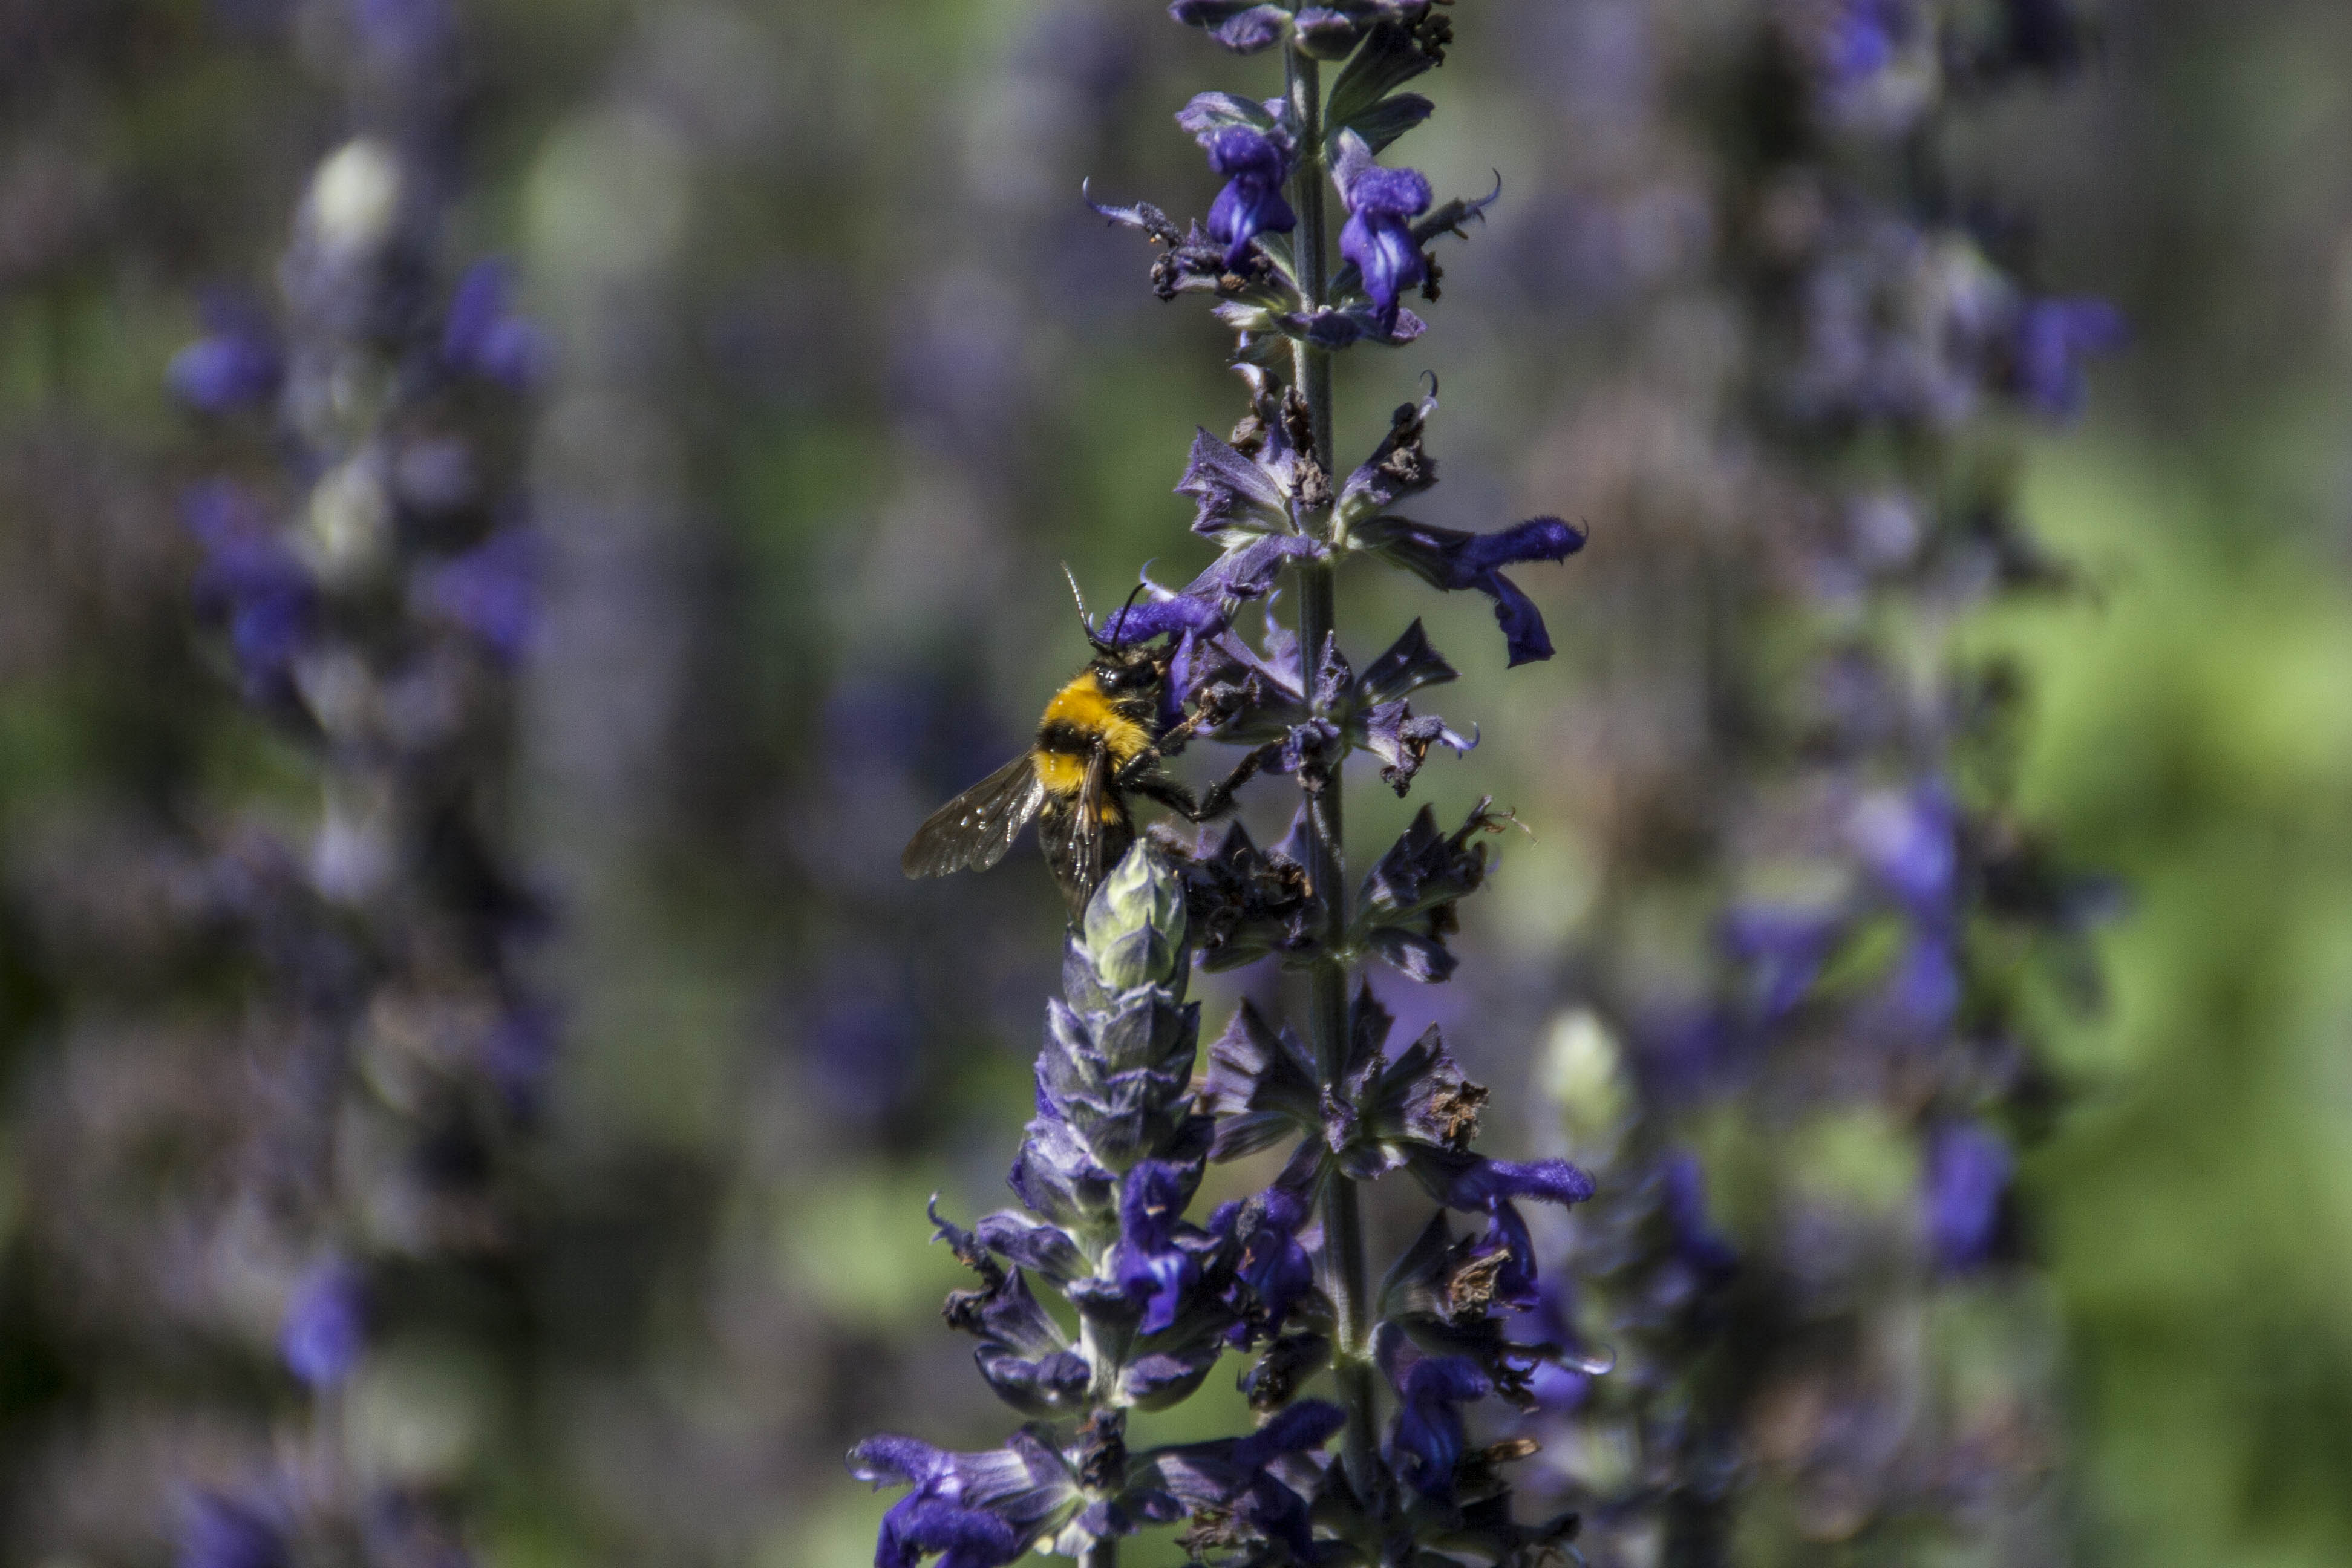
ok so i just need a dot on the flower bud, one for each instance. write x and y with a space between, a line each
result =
1135 927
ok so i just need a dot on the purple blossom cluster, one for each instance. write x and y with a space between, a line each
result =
1125 1131
1884 895
368 561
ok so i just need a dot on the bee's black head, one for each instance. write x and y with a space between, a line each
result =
1131 669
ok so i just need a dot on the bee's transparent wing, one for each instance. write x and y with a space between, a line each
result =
971 832
1085 835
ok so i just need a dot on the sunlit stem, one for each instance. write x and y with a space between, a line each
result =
1327 1013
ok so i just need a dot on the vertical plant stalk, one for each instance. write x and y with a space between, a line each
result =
1343 1233
1125 1129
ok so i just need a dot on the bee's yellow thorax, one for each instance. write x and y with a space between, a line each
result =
1061 773
1078 719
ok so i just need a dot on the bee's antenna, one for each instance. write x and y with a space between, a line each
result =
1085 622
1119 623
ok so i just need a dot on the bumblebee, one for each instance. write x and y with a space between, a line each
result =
1102 739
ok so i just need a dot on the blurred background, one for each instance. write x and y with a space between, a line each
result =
837 367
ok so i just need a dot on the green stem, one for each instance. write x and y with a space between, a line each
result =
1101 1554
1326 870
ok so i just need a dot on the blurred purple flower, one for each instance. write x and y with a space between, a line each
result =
492 591
485 336
1909 841
250 580
221 1531
1784 948
1697 1242
324 1332
1924 991
405 33
2054 338
1862 39
1968 1176
235 364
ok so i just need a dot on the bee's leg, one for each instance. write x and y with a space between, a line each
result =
1219 797
1169 792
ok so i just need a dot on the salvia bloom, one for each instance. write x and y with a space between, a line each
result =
1875 1004
374 595
1255 166
1391 1372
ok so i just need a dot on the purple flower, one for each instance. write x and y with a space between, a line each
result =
1862 39
2054 338
516 1053
915 1527
1428 1441
1454 559
1378 236
492 591
1477 1184
1254 167
1785 949
1264 1503
220 1531
977 1511
1910 843
1968 1177
1192 614
233 365
1244 27
1273 1264
325 1327
1696 1242
1152 1268
1923 995
252 581
486 337
408 33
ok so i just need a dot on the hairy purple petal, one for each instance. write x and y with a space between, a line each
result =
1428 1439
1254 167
1153 1271
1485 1182
1378 236
1307 1423
964 1537
1454 559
